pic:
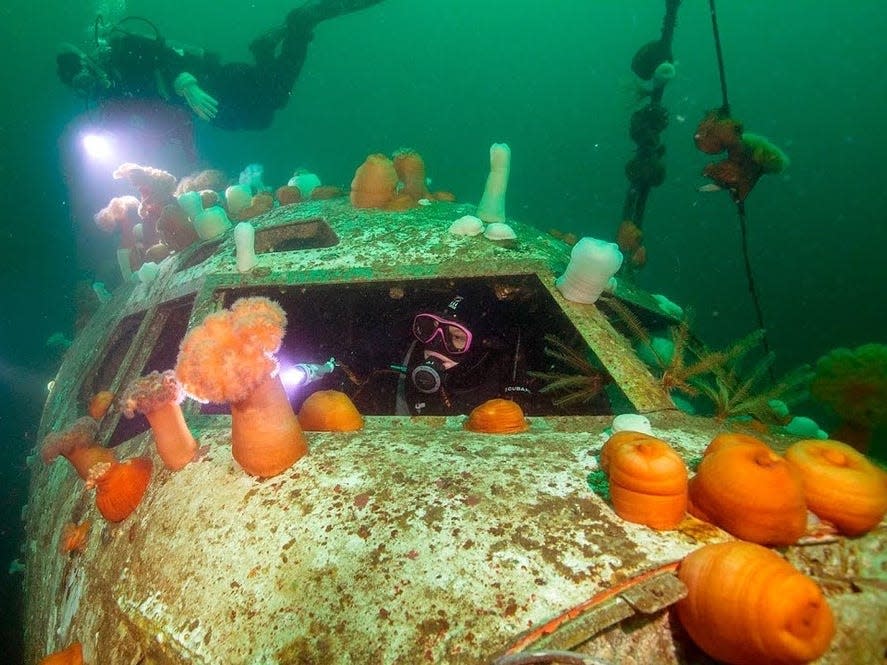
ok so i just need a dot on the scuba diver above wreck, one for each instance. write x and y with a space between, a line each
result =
130 67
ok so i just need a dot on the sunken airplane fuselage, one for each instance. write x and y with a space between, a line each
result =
412 540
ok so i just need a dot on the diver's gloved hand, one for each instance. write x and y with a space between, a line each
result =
204 105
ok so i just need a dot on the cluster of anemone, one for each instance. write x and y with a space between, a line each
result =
119 486
168 217
392 183
159 226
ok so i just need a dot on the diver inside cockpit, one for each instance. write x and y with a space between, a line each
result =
458 359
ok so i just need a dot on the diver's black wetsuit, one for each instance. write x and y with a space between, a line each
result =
143 68
140 67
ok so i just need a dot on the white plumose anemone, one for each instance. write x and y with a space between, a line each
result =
592 265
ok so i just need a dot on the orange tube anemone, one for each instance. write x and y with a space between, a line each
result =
497 416
158 396
648 481
120 487
229 358
73 655
840 484
748 490
374 183
329 411
746 605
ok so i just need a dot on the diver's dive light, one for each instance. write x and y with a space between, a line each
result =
98 146
302 374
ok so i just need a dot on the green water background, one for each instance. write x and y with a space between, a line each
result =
449 77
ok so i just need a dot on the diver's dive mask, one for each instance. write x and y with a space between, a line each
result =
454 337
451 336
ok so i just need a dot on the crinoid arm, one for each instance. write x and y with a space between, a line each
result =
734 391
582 385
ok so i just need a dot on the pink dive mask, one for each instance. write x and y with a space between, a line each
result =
455 337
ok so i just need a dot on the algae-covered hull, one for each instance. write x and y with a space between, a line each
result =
411 540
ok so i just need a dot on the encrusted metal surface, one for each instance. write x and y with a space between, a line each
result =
410 541
387 545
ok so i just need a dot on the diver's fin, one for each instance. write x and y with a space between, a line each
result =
313 12
300 23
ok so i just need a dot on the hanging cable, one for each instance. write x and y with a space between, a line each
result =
718 132
725 105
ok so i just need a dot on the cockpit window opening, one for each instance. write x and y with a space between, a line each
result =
368 329
200 254
116 350
312 233
172 318
175 315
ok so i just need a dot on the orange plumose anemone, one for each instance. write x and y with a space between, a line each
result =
119 486
648 480
288 194
375 183
330 411
717 132
410 168
77 444
746 605
497 416
74 537
99 404
158 396
325 192
229 358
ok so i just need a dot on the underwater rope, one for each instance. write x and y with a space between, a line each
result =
646 169
740 204
725 106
